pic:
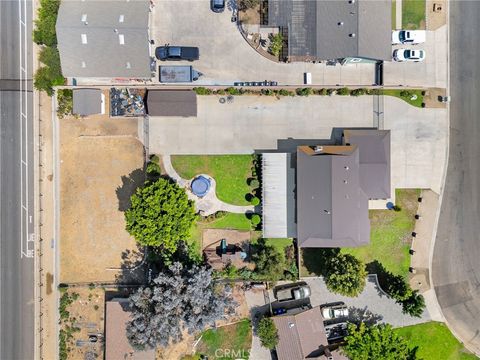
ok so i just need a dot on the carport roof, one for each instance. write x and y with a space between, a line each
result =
332 209
87 101
300 336
104 38
335 29
171 103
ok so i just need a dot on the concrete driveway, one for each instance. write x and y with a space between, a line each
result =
225 56
419 136
430 73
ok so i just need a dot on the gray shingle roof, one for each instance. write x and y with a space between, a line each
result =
335 29
90 35
374 147
87 101
300 336
332 209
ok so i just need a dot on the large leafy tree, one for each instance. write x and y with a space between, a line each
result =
44 32
267 332
345 274
376 342
179 299
269 262
160 215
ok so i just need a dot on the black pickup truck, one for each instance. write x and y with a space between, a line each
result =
170 53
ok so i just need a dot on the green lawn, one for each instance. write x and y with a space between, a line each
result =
230 172
435 342
397 93
413 14
390 238
236 338
390 235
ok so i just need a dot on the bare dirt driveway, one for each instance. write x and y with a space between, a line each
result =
101 162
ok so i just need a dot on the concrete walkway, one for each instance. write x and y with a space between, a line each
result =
209 204
398 14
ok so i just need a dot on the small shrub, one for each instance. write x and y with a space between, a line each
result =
255 201
406 93
96 307
153 169
322 92
202 90
358 92
285 92
267 332
233 91
423 104
396 208
343 91
276 44
65 102
374 92
253 183
155 159
44 32
255 219
304 91
330 92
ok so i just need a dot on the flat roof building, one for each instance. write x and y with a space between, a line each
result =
104 38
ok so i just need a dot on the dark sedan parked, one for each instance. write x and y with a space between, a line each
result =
167 52
217 6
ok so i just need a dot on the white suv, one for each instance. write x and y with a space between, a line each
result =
410 37
408 55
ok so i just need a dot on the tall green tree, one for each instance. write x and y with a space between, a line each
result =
267 332
345 274
376 342
161 215
44 32
269 262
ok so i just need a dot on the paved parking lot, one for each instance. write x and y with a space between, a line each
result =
419 136
226 57
430 73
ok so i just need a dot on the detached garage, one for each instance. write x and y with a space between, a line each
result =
181 103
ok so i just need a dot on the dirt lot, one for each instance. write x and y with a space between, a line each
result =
86 314
101 161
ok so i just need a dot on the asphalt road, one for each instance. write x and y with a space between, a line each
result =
456 258
16 182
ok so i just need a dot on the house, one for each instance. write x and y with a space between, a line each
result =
320 194
116 342
349 30
303 336
104 39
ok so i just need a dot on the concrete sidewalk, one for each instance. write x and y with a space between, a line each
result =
47 256
422 246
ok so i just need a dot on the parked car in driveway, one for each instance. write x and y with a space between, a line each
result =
334 311
173 53
295 291
336 332
410 37
401 55
217 6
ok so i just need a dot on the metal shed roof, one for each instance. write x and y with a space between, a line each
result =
278 177
87 101
104 38
171 103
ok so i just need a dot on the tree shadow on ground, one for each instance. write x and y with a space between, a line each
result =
130 183
134 269
383 276
358 315
314 260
